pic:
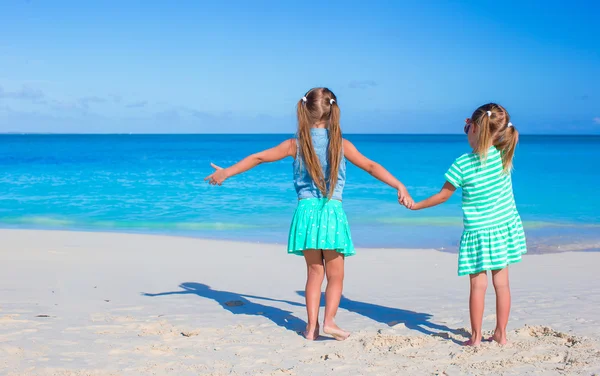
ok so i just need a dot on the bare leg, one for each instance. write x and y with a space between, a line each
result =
501 285
314 281
334 268
476 304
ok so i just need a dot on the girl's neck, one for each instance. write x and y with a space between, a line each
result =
476 147
320 125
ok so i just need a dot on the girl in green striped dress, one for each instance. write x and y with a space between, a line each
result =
493 235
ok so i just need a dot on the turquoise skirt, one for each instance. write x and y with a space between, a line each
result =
320 223
491 248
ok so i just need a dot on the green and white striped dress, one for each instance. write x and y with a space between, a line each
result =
493 236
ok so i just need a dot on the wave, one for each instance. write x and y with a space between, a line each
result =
457 222
50 222
55 222
39 221
562 237
422 221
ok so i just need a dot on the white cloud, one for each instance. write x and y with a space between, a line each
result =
24 93
28 94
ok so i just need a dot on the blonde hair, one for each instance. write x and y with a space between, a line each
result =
493 122
317 105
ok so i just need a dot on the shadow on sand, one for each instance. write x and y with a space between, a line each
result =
239 304
418 321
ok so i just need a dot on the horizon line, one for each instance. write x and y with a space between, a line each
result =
269 133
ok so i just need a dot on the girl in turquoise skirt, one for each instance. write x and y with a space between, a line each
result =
319 229
493 236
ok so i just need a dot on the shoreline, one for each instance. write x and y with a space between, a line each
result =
536 245
166 237
75 303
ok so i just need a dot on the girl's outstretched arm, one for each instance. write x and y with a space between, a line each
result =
377 171
286 149
442 196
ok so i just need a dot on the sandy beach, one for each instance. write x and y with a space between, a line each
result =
75 303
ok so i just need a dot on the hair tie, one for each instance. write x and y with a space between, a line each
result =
509 124
331 101
304 99
489 113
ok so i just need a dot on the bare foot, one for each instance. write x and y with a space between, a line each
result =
500 338
336 332
311 334
473 342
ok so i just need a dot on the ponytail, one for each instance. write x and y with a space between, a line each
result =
320 104
495 129
306 147
334 150
507 145
485 135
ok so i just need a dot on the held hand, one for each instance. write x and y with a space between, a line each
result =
404 198
217 177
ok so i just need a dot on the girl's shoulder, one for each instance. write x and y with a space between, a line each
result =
473 161
466 160
347 144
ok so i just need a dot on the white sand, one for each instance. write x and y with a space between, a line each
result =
91 284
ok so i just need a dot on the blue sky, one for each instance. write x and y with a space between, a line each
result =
240 66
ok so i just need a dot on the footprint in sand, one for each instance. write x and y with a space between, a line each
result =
545 331
190 333
332 356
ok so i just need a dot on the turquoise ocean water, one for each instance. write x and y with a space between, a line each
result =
154 184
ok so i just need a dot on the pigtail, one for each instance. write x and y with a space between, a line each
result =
495 128
320 105
484 138
307 149
334 150
508 145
